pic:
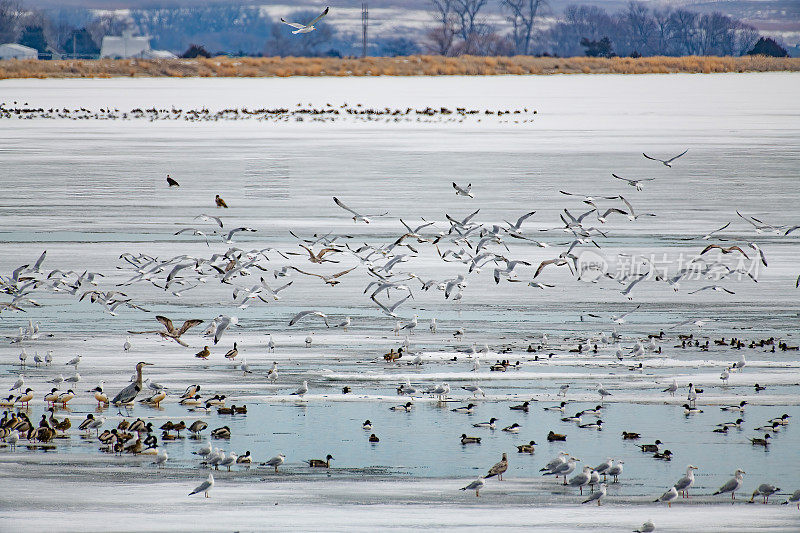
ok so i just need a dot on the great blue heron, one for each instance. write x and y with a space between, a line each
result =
128 394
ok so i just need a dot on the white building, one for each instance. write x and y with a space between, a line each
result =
17 51
129 46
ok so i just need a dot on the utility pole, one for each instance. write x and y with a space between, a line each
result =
364 23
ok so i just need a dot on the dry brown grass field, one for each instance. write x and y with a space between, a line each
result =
252 67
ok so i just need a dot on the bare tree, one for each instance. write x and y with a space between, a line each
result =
9 21
683 32
639 27
442 36
522 16
467 12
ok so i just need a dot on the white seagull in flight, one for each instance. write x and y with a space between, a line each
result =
306 28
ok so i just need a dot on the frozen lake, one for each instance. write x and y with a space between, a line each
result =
89 189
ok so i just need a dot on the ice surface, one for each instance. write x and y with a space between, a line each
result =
86 191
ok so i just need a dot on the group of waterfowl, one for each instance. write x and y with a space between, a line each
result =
302 112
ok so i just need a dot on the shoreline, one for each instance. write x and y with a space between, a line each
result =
259 67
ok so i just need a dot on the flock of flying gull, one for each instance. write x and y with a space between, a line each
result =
463 240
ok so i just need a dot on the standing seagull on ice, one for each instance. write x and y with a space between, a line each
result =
685 483
306 28
733 484
205 486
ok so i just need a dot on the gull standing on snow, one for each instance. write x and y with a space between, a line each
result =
597 495
303 389
476 485
276 461
205 486
685 483
306 28
733 484
668 497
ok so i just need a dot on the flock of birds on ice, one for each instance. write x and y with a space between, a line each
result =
463 241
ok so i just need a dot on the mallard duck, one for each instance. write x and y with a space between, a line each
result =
321 463
233 352
125 424
135 448
240 410
226 410
221 433
756 441
167 426
555 437
650 447
469 440
64 425
204 353
526 448
86 421
180 426
197 426
627 435
107 436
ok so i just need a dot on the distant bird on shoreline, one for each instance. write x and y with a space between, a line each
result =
220 202
171 182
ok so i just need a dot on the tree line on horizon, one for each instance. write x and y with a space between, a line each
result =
457 27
